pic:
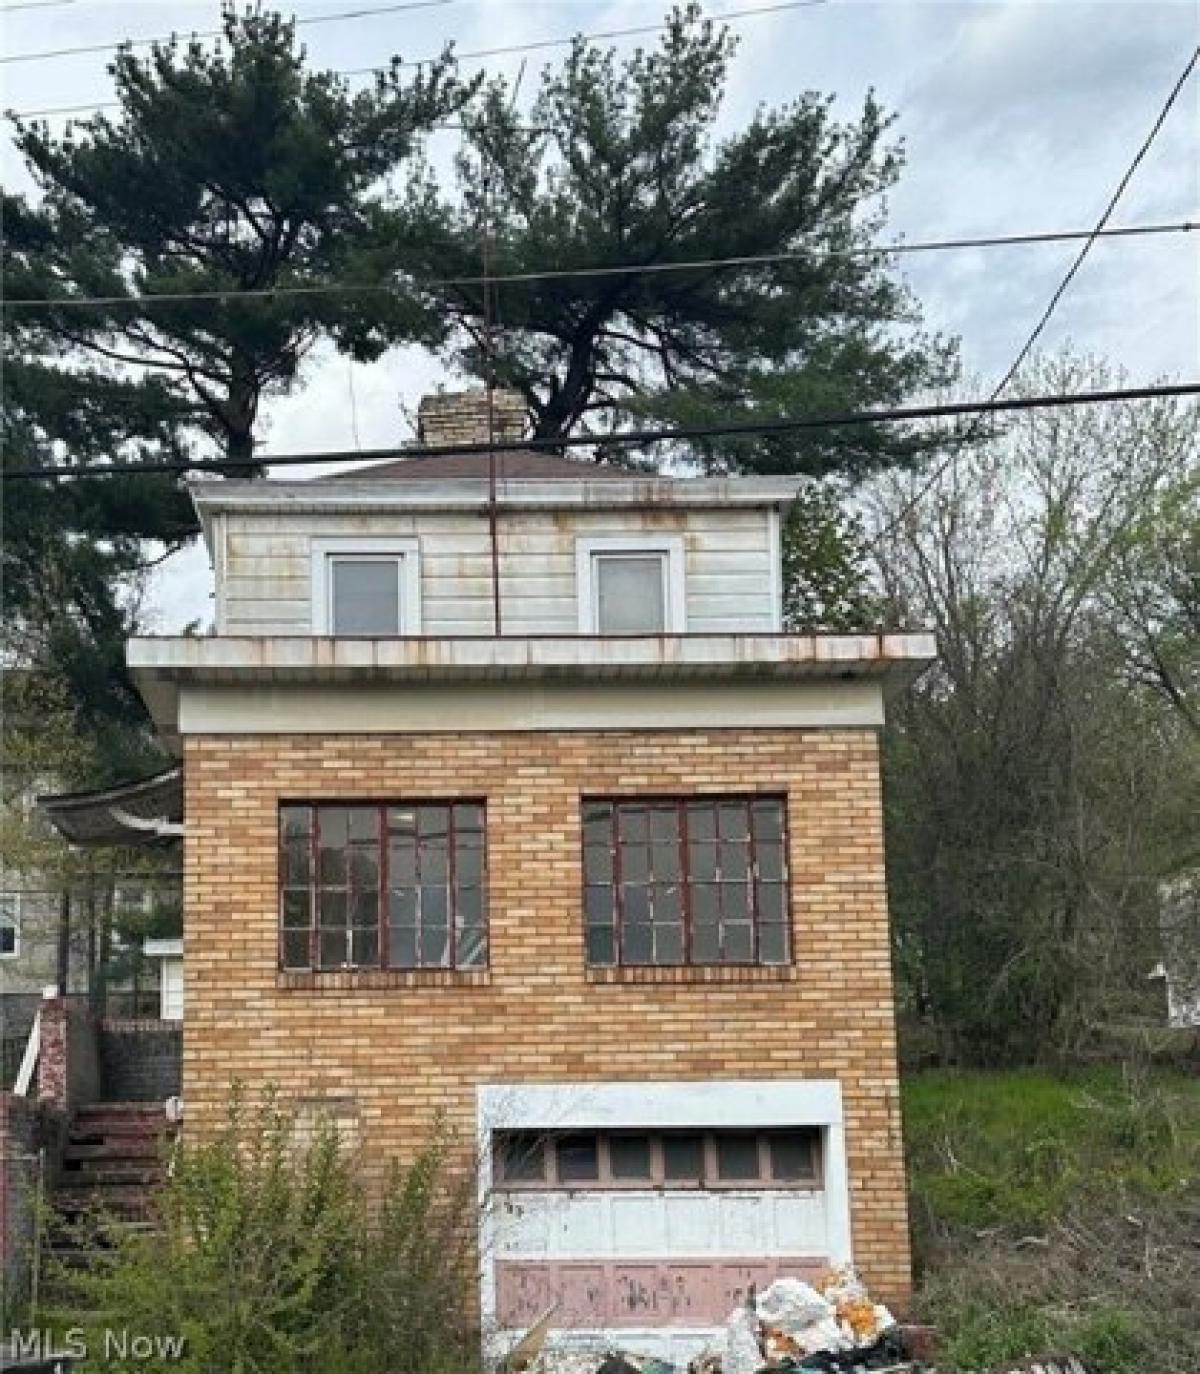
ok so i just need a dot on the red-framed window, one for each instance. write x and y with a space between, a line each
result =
391 885
780 1157
678 881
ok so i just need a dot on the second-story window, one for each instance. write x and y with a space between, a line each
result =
368 588
630 585
685 881
393 885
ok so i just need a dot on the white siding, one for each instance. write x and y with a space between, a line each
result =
264 567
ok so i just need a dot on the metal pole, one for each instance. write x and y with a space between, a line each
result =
489 362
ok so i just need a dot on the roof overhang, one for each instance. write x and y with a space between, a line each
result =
148 811
162 667
348 495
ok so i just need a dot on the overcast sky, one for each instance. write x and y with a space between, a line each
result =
1017 115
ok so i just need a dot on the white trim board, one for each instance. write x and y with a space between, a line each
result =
406 550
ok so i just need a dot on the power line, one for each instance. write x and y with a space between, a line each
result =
637 437
366 13
1027 347
899 248
565 41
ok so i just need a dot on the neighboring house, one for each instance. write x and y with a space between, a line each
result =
1179 907
604 890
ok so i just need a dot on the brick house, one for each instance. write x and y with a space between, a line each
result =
519 806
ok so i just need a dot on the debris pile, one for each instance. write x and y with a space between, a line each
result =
792 1325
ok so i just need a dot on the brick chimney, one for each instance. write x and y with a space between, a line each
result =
461 417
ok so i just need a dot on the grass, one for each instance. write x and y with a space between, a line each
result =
1055 1213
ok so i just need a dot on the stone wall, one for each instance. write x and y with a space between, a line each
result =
410 1046
140 1061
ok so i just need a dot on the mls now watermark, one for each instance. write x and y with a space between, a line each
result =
108 1344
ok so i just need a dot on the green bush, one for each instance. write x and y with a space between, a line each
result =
268 1257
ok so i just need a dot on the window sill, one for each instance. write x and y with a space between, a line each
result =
708 974
352 980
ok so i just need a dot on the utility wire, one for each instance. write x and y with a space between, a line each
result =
565 41
790 424
341 15
1027 347
899 248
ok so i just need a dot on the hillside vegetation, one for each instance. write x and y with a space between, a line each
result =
1058 1212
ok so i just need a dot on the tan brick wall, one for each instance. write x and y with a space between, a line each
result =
407 1052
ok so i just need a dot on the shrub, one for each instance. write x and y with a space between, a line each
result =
268 1257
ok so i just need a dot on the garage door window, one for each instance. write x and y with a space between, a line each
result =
778 1158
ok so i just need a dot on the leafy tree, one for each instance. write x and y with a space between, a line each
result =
228 171
1036 795
617 166
231 171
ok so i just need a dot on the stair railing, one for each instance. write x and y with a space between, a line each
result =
33 1047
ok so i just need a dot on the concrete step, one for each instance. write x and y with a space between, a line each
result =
143 1146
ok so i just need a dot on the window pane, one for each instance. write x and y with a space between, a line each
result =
597 823
772 903
333 910
297 908
635 903
578 1159
772 944
364 866
629 1156
601 945
734 860
702 821
472 947
637 944
732 821
333 948
683 1158
362 823
468 866
522 1158
402 862
402 947
635 863
737 1156
296 862
365 944
629 594
598 904
434 947
295 949
664 824
434 906
597 864
364 910
366 596
769 857
668 944
402 906
738 943
706 945
633 824
294 821
704 903
702 862
8 937
768 819
402 820
468 818
792 1155
469 906
434 861
665 858
668 905
735 901
433 821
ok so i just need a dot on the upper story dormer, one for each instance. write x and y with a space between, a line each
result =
432 547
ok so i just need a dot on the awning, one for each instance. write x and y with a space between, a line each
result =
148 811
